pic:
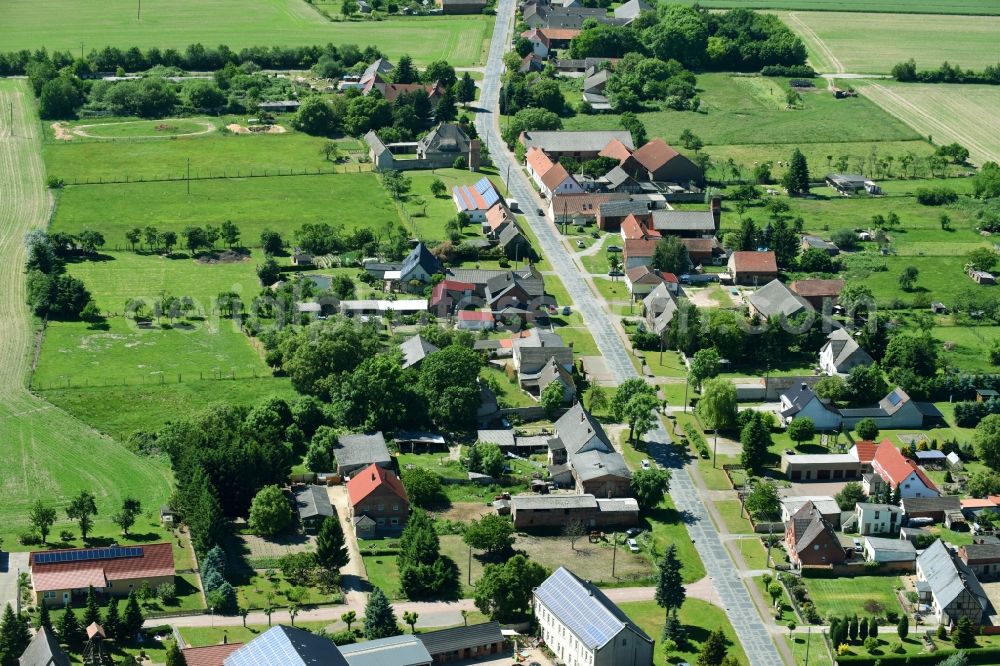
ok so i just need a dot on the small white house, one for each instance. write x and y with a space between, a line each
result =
878 518
885 551
800 402
841 354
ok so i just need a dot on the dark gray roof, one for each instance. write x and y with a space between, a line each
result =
502 438
43 650
509 234
287 646
774 299
420 256
921 504
684 220
809 525
948 576
313 501
415 350
580 432
596 80
361 449
623 208
845 349
800 395
403 650
584 609
596 464
454 639
446 138
982 551
582 141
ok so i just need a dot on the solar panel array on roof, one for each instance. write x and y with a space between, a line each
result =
488 192
894 398
568 599
86 555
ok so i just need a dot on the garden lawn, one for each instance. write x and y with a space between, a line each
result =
201 636
699 619
752 110
847 596
212 154
856 43
63 24
785 606
573 331
283 204
754 553
554 287
667 528
383 573
510 393
613 291
819 655
430 214
729 511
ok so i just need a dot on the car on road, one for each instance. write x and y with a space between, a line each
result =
632 545
540 211
857 546
645 463
566 310
513 205
614 248
614 273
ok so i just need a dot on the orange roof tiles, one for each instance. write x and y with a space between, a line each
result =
754 262
210 655
616 150
538 161
633 229
639 248
654 154
365 482
555 176
894 465
866 451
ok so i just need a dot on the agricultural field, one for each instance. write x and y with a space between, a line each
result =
280 203
45 448
948 112
987 7
859 43
67 25
752 110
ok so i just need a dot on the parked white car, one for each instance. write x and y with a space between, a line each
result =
633 545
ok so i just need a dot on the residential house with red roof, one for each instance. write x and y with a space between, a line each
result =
59 576
902 473
638 227
475 320
752 268
638 253
209 655
544 40
661 163
451 295
818 292
641 280
550 177
378 503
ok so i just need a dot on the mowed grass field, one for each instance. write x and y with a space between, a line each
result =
699 619
48 454
948 112
280 203
895 6
63 24
872 43
847 596
752 110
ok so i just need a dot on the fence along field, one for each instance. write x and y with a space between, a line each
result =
47 453
859 43
948 112
64 25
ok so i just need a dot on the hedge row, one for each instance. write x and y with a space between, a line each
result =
980 656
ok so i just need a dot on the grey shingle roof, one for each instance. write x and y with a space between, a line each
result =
415 350
846 350
361 449
557 501
43 650
684 220
445 138
631 9
982 551
921 504
454 639
584 609
580 432
947 576
313 501
774 299
420 256
502 438
596 464
404 650
583 141
623 208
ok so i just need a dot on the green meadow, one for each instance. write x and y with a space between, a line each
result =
72 25
887 6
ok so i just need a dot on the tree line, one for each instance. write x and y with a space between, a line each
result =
50 291
945 73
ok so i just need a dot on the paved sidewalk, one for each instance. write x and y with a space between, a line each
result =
750 629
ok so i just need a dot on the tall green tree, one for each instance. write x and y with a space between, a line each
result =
44 619
965 634
796 179
466 89
405 72
755 439
704 365
82 509
91 611
503 592
762 502
132 618
713 650
718 406
14 637
380 619
69 629
270 512
492 533
112 620
625 392
174 656
640 414
41 519
331 547
552 398
986 440
649 486
670 592
671 256
125 518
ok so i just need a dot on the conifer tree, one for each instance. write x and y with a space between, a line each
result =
331 548
380 619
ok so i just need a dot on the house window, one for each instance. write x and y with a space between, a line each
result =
394 521
49 595
381 522
381 507
395 507
876 515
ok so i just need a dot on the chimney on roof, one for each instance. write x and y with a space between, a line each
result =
805 387
373 476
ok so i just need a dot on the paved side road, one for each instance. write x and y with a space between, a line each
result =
749 627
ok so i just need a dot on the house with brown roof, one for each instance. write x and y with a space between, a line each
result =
579 209
661 163
379 504
641 280
752 268
581 145
58 576
638 253
637 227
811 540
209 655
702 251
982 558
550 177
545 40
819 293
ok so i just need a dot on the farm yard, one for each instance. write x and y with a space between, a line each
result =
45 448
952 112
855 42
29 25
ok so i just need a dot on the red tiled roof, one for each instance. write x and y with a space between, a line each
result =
640 248
559 33
973 503
210 655
581 204
754 262
866 451
538 161
555 176
817 288
647 275
654 154
475 315
617 150
365 482
470 198
157 560
894 465
633 229
449 285
496 215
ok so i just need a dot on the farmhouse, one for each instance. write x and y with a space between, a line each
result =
457 643
560 508
637 227
448 296
802 402
933 507
811 540
949 587
475 200
638 253
819 293
841 354
612 214
752 268
982 558
417 268
702 250
817 243
774 299
550 177
58 576
439 149
545 40
687 223
660 163
642 280
379 504
592 463
889 551
877 519
357 451
896 411
582 145
902 473
826 505
658 309
313 504
582 626
631 9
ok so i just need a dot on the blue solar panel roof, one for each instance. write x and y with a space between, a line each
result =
287 646
488 192
582 608
112 553
894 398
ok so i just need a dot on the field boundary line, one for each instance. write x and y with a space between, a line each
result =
811 35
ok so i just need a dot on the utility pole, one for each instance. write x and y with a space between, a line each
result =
189 175
614 552
808 641
470 565
138 10
715 451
